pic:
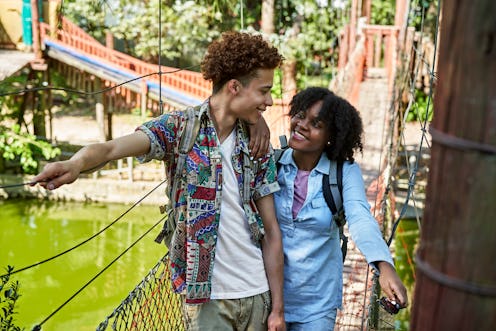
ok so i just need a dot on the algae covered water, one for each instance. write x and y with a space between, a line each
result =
33 231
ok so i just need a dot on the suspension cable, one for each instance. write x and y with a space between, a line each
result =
38 326
90 238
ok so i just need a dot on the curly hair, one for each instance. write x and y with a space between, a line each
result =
238 55
340 117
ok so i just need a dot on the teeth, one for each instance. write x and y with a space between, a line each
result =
298 135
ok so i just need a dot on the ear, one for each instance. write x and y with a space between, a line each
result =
233 86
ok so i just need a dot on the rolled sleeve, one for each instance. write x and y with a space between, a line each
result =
156 151
162 132
266 182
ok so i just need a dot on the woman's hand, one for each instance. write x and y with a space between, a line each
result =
391 284
259 139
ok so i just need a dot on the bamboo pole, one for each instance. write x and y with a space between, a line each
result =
456 275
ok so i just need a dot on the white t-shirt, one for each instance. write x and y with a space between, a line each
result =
239 270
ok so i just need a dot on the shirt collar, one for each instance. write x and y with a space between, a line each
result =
322 165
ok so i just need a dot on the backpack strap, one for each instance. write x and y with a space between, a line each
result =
187 140
332 188
279 151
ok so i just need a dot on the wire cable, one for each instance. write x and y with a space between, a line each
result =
88 239
54 88
38 326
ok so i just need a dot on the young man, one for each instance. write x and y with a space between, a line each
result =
226 252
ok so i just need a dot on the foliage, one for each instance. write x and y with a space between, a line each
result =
383 12
189 26
423 16
422 108
23 146
9 294
307 32
15 142
88 14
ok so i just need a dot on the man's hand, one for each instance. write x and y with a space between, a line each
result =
259 139
57 174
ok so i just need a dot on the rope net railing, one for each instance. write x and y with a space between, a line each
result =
406 161
151 305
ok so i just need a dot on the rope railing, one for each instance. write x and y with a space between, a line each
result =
151 305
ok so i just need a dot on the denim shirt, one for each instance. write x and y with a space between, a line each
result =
313 267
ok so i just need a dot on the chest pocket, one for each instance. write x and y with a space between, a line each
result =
317 218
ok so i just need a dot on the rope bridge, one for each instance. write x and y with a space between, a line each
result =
151 305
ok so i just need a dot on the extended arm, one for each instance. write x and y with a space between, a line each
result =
90 157
273 260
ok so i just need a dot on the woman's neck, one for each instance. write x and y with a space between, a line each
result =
306 161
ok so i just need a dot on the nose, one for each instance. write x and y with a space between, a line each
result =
268 100
302 122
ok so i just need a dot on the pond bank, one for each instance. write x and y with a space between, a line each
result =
87 190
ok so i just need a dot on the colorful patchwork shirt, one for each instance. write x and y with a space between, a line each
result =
198 198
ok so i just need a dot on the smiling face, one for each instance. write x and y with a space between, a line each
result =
253 97
309 135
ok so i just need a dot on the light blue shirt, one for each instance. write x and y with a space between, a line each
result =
313 267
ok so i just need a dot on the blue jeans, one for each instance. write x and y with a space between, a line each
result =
325 323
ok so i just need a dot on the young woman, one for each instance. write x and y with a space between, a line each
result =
324 128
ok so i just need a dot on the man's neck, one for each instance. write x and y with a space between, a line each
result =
223 119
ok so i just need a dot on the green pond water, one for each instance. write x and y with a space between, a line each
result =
32 231
405 244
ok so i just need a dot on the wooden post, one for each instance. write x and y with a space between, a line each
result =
36 29
100 112
455 286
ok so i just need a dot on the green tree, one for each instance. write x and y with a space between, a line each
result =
16 142
9 294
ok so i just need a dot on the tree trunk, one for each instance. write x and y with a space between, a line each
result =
267 24
455 285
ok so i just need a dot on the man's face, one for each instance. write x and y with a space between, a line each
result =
253 98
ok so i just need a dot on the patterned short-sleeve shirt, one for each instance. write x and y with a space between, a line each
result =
197 202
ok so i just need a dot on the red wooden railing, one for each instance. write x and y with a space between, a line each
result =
376 48
70 35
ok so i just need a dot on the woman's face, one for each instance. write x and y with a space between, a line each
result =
308 134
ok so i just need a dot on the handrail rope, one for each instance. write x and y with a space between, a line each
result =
55 88
38 326
413 174
22 184
90 238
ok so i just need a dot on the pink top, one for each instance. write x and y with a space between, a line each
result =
300 190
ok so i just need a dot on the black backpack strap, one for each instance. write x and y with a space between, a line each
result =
279 151
332 188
